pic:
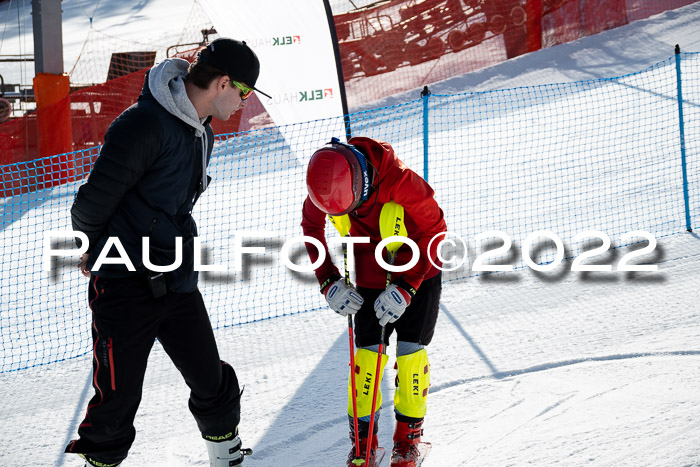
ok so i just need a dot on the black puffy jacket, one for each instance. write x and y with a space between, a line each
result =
144 183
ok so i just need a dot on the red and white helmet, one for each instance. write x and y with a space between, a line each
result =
337 178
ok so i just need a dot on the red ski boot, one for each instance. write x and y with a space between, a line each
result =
354 461
408 450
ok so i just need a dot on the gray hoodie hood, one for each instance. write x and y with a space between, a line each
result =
166 81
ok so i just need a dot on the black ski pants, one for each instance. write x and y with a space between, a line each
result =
125 322
417 324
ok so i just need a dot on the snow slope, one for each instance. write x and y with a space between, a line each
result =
599 370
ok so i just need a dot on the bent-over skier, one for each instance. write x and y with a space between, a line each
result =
358 179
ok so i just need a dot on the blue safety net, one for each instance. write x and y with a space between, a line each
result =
531 165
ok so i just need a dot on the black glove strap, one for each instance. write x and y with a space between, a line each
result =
405 286
329 281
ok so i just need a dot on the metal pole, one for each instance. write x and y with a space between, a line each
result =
682 134
339 68
425 94
48 36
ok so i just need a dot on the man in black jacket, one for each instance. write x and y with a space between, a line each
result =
145 183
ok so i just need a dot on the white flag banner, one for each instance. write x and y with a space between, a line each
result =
293 42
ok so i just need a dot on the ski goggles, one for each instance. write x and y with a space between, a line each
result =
245 90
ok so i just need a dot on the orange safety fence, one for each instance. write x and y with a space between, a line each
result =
393 46
54 124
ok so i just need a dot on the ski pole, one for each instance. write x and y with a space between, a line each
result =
342 224
390 224
351 332
380 352
374 396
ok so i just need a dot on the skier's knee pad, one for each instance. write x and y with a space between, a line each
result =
365 368
406 348
413 381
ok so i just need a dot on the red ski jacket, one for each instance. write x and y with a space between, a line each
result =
423 219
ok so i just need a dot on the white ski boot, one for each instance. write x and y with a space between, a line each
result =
226 453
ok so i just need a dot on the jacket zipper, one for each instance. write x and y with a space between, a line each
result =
110 352
197 171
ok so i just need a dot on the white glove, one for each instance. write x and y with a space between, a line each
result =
343 299
391 304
